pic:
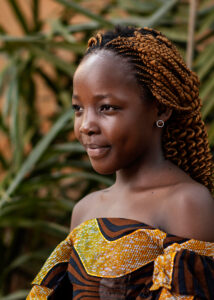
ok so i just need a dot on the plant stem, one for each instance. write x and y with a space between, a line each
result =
191 31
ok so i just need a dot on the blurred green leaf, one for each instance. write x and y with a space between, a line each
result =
204 56
58 176
19 14
48 227
69 147
206 67
37 152
208 88
23 39
174 35
208 20
27 258
211 134
19 295
15 133
156 17
78 8
35 11
138 6
55 60
88 26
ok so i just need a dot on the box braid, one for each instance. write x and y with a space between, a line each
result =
159 68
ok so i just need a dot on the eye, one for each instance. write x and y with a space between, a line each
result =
108 107
77 108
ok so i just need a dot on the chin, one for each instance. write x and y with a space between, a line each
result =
102 170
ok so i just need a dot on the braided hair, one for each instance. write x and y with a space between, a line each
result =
160 69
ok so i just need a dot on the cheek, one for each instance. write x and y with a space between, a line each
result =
76 128
125 135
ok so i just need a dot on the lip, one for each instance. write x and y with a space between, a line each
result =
97 151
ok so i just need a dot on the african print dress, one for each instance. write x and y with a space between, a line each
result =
117 259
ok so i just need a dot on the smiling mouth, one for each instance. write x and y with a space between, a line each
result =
96 151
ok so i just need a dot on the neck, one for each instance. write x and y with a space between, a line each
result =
141 173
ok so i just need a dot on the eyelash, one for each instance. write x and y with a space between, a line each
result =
104 107
109 107
76 107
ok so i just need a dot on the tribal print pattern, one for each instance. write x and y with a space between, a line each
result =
115 258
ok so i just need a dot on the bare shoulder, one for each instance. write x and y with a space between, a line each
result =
81 211
190 212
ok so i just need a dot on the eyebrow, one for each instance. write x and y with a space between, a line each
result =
102 96
75 97
96 97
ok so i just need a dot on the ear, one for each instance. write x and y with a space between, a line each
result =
166 114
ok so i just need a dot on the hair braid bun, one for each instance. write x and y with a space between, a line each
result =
159 66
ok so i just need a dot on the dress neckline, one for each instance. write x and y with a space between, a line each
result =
148 227
119 218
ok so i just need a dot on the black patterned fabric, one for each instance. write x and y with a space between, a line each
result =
114 258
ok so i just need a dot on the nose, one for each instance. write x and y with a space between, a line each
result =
89 124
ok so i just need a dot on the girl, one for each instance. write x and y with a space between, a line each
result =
148 236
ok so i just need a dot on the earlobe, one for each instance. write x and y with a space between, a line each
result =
163 117
166 114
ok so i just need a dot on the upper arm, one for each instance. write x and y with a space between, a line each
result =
192 215
76 216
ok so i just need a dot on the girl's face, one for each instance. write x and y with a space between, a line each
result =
112 121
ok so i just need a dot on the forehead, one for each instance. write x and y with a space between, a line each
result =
105 67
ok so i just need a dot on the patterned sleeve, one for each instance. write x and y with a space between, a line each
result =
126 261
52 281
185 270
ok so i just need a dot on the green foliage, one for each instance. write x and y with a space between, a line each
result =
41 185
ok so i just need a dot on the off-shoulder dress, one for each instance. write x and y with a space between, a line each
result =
117 259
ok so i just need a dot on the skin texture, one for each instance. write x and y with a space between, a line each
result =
116 124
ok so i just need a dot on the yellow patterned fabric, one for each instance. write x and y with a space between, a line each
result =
166 295
39 292
163 264
59 255
117 258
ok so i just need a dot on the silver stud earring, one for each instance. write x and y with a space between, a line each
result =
160 123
